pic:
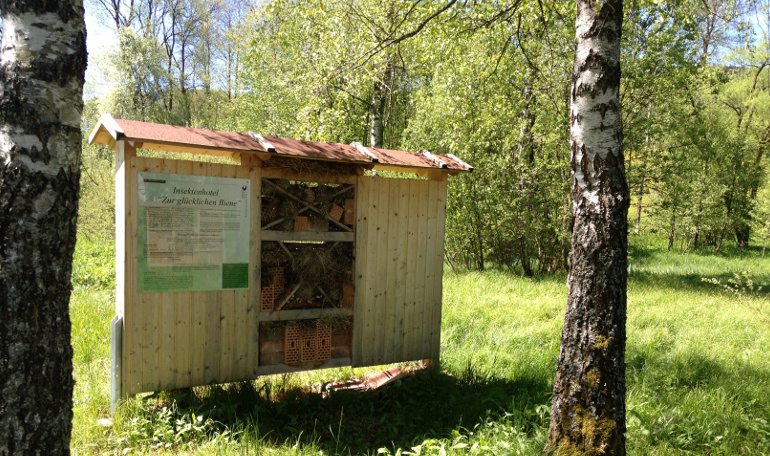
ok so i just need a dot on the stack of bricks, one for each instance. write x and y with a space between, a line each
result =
307 344
272 292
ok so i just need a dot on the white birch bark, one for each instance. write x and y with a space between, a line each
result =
42 65
588 414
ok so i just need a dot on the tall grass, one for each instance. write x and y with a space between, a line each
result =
698 375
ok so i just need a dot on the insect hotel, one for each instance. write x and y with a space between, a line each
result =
293 257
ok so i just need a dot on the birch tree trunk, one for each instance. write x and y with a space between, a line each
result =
588 415
377 108
42 66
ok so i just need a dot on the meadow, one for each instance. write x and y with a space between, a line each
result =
698 372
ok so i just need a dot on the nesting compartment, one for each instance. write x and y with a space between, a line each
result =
307 271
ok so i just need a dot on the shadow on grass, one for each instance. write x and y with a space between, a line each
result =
688 371
428 404
693 282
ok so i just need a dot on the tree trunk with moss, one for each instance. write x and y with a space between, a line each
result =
588 415
42 67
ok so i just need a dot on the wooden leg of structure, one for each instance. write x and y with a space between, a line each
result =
116 346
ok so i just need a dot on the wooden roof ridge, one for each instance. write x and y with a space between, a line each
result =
174 138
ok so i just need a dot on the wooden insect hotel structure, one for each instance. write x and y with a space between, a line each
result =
291 258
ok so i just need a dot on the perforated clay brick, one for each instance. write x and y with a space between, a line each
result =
324 341
268 298
292 340
309 345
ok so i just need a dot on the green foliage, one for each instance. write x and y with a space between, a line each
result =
93 266
761 217
742 287
488 82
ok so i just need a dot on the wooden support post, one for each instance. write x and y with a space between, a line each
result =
116 352
125 225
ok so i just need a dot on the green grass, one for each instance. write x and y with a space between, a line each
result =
698 374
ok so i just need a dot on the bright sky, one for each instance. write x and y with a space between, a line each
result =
99 41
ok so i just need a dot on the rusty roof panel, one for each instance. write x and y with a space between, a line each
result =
452 164
152 132
240 142
317 150
415 160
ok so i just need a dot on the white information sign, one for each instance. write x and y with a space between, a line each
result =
193 232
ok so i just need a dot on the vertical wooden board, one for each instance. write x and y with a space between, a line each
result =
430 269
400 306
167 367
422 245
198 313
121 208
242 325
149 309
375 219
379 324
438 255
214 315
132 326
183 348
391 339
183 340
122 244
226 335
151 314
367 314
255 260
227 319
410 326
125 225
213 352
198 331
363 196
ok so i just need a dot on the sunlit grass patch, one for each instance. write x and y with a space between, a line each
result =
698 377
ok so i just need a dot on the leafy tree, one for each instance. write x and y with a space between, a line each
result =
761 220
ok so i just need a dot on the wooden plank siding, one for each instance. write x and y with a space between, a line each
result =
399 265
181 339
178 340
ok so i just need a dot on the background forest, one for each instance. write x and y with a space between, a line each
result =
486 81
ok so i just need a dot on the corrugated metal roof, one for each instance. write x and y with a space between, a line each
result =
186 139
317 150
152 132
